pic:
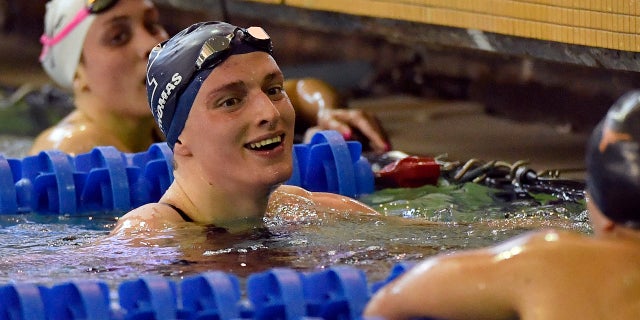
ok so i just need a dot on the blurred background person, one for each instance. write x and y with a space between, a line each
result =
99 49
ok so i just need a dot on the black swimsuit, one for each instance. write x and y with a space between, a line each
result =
179 211
211 229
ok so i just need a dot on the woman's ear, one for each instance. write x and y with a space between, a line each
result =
181 149
608 225
80 83
598 220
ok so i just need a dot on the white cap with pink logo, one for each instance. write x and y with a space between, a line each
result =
66 23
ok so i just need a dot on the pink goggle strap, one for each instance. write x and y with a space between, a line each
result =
48 42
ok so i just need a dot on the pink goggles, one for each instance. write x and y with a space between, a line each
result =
91 7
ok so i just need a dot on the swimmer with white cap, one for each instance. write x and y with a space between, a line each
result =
98 50
546 274
217 94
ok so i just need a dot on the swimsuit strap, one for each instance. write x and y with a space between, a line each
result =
179 211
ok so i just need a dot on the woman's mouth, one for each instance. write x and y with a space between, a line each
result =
266 144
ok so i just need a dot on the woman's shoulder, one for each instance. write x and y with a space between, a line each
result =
322 200
71 136
291 190
149 217
544 239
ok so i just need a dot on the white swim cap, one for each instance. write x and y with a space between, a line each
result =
60 60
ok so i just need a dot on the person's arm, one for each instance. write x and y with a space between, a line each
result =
317 104
468 285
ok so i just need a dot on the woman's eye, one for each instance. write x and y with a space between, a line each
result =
119 38
231 102
276 93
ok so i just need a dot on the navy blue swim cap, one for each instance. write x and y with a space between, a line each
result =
178 66
613 162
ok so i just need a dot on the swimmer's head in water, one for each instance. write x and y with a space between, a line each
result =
613 162
178 67
66 24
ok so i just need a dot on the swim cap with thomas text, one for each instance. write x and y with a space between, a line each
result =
174 78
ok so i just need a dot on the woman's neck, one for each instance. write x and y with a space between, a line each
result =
133 134
206 204
620 232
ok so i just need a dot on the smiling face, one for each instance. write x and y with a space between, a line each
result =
240 127
114 57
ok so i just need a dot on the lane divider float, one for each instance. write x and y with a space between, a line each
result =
107 180
338 292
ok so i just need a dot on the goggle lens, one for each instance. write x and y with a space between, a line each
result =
258 33
213 48
97 6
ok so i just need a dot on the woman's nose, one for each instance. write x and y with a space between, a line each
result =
267 111
148 40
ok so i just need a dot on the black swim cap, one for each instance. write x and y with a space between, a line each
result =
178 66
613 162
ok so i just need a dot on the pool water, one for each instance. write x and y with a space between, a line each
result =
415 223
12 146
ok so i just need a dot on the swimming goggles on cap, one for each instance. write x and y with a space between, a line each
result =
216 48
91 7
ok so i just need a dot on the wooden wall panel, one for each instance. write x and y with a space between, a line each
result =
611 24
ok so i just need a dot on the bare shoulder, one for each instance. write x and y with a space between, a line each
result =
544 237
529 255
538 247
525 276
54 138
151 216
325 200
573 247
528 249
294 190
68 137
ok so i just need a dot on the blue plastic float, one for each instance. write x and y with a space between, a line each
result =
339 292
107 180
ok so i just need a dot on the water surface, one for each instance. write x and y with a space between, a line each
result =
415 223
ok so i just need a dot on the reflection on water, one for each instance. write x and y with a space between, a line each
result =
418 223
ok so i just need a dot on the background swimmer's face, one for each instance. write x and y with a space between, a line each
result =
114 56
240 127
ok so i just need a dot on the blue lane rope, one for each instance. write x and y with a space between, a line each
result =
338 292
107 180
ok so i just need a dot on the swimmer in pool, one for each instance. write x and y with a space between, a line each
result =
217 94
99 49
546 274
